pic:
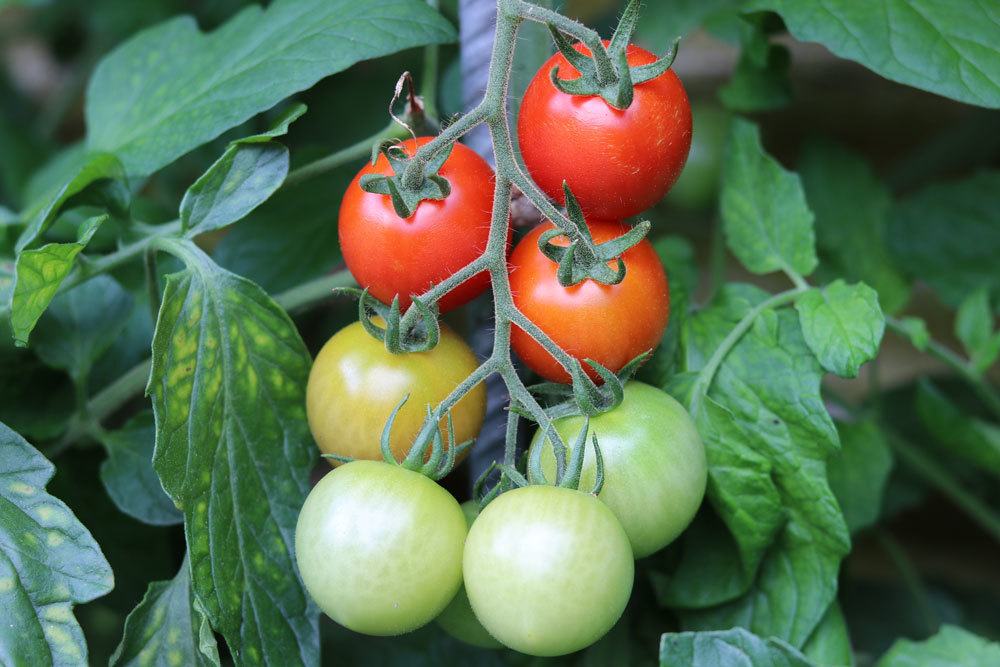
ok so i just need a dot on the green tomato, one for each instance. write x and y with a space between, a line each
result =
458 619
379 547
654 465
699 181
548 570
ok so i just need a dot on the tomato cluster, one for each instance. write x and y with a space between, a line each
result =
544 569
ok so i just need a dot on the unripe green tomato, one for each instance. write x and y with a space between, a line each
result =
548 570
698 184
380 547
654 464
458 619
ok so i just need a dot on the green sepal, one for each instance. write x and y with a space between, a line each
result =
385 443
598 468
422 337
338 458
569 477
583 396
405 199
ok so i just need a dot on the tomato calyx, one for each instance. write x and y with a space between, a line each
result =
407 187
583 396
582 259
387 324
606 72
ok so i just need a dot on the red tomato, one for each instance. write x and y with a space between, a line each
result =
390 255
611 324
617 162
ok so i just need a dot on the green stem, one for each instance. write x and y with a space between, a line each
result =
429 79
602 62
911 579
352 153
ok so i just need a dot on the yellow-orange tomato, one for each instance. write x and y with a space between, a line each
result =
355 383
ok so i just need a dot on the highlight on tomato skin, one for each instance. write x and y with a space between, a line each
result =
611 324
618 163
393 256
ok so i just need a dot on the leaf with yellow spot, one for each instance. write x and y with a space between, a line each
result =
48 562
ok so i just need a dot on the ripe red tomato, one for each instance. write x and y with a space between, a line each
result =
611 324
617 162
390 255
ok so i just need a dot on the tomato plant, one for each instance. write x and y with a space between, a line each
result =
654 462
525 557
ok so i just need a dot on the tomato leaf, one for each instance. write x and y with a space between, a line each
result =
974 327
242 179
859 471
950 647
168 627
128 474
234 453
852 210
942 46
48 562
760 81
842 324
38 275
81 324
948 235
172 88
830 644
915 330
767 222
728 647
958 435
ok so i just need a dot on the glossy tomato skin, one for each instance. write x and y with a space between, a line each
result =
355 383
380 547
548 570
611 324
390 255
458 619
654 465
617 162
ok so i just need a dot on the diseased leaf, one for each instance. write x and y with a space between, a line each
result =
950 647
172 88
958 434
233 451
948 235
167 628
38 275
81 324
974 326
859 471
946 47
128 473
842 324
48 563
766 219
735 647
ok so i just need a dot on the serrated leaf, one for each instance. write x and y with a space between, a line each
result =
172 88
167 628
48 563
128 475
942 46
39 273
859 471
842 324
958 435
948 235
233 451
81 324
768 224
852 211
950 647
767 436
974 326
729 647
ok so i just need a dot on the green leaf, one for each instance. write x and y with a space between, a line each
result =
948 235
83 172
915 330
729 647
767 221
950 647
760 81
767 436
946 47
128 474
662 22
842 324
859 471
233 451
958 434
852 211
974 327
167 628
48 563
38 275
242 179
677 256
81 324
830 644
172 88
